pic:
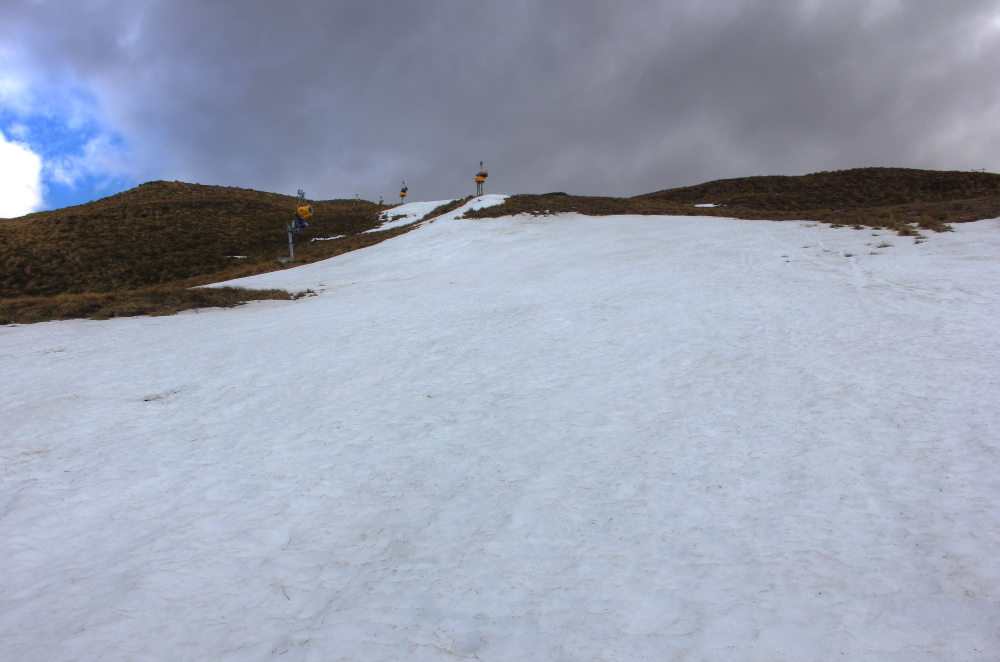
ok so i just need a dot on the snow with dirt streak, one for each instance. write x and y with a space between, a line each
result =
414 211
529 438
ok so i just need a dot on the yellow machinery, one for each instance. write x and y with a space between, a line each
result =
402 193
304 210
480 178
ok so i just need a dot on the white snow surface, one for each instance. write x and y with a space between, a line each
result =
527 438
414 211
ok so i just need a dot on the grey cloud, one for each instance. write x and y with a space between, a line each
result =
603 98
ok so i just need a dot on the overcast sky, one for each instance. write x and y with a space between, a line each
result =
600 98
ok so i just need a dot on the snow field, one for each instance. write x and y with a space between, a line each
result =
551 438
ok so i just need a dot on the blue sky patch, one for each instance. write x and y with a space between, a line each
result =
82 160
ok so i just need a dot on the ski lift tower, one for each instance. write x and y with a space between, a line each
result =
303 211
402 193
480 178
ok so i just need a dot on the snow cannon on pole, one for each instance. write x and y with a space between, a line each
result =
402 193
480 179
303 211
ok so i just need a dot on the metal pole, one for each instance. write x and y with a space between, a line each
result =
291 246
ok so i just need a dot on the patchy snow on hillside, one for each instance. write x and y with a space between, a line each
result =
408 213
414 211
528 438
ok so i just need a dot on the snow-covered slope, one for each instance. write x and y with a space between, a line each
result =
414 211
551 438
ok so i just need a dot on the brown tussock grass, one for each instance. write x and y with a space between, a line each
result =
131 303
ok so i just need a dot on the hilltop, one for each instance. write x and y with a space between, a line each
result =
160 238
844 189
163 232
889 197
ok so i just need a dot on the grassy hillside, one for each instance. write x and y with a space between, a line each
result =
164 232
844 189
889 197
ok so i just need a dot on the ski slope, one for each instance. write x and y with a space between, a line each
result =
528 438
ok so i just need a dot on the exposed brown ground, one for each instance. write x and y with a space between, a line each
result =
160 300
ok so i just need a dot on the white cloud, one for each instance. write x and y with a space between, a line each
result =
20 179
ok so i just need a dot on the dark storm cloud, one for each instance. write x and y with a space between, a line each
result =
614 98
